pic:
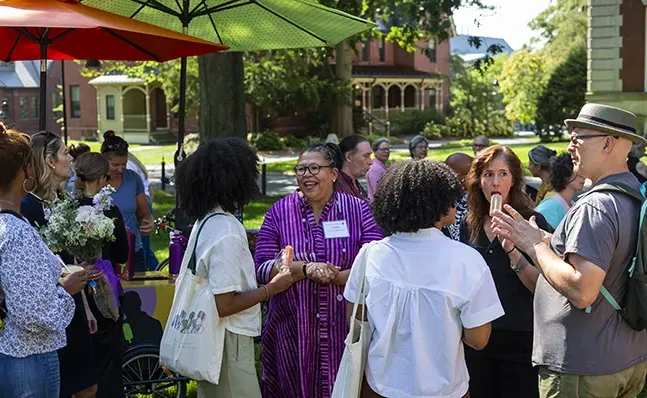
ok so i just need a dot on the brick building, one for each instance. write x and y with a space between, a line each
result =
617 55
20 96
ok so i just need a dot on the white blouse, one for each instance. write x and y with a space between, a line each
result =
422 289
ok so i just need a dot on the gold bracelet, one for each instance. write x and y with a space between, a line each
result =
267 292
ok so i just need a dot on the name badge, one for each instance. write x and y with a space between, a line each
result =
335 229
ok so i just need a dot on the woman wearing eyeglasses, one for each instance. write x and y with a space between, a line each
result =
129 197
53 166
91 176
303 338
382 151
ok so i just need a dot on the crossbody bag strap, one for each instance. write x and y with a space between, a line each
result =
193 262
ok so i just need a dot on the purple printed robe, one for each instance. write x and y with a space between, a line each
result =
303 337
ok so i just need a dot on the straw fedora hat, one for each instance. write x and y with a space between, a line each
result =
607 119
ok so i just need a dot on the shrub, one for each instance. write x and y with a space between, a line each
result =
372 137
291 141
266 141
414 122
465 127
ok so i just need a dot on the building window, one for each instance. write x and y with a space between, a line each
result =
382 50
432 51
75 102
24 108
110 107
5 108
34 108
366 54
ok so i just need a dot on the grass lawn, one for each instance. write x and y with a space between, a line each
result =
438 154
163 202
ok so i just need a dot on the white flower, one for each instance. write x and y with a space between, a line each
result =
84 214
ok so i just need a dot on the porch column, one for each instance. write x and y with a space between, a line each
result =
422 97
370 98
386 102
148 109
439 97
417 95
364 96
402 89
121 116
99 107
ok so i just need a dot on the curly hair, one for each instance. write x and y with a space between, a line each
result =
222 172
15 154
560 171
415 195
477 205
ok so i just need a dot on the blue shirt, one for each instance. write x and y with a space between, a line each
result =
553 209
125 198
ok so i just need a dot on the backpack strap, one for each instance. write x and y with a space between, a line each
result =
636 195
193 262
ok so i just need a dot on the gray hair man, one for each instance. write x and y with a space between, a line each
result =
582 345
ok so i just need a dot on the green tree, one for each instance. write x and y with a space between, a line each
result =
523 79
564 95
477 104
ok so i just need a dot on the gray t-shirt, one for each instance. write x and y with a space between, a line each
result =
603 228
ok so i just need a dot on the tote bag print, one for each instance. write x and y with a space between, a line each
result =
192 334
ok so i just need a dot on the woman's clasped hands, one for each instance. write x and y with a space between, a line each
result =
323 273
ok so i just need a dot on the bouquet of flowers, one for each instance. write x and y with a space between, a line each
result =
82 231
79 230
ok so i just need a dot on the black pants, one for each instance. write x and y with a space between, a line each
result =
504 368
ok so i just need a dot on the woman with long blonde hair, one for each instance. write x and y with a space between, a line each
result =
53 166
504 367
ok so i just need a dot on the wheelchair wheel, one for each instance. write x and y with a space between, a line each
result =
163 265
143 375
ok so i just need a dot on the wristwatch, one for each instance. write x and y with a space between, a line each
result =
517 268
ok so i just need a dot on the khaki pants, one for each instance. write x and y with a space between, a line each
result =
626 384
238 377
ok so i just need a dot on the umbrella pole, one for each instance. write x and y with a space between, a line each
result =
64 100
181 221
43 86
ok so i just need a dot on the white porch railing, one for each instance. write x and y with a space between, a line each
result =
135 122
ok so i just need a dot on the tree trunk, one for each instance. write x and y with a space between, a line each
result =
343 116
222 96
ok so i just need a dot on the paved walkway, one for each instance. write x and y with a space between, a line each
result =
279 184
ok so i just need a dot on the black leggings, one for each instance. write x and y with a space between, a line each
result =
503 369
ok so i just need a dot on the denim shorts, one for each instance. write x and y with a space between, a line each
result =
34 376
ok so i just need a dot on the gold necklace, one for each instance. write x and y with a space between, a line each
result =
15 208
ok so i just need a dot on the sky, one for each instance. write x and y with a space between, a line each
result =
509 20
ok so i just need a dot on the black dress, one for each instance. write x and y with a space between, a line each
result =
503 369
108 340
77 359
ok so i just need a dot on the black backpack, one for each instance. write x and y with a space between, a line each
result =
635 300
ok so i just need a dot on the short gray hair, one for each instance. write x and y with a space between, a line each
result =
376 144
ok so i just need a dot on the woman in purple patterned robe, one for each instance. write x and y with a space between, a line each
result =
303 337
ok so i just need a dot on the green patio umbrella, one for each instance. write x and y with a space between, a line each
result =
243 25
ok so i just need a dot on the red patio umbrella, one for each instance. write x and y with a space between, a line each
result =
66 29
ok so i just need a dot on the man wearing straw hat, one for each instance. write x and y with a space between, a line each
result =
582 345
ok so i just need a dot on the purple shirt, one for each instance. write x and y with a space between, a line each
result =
374 175
350 186
303 337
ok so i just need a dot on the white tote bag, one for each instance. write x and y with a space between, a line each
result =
191 338
348 383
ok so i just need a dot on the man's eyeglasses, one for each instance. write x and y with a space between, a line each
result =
314 169
575 137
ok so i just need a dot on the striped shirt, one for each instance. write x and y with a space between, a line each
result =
350 185
303 337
